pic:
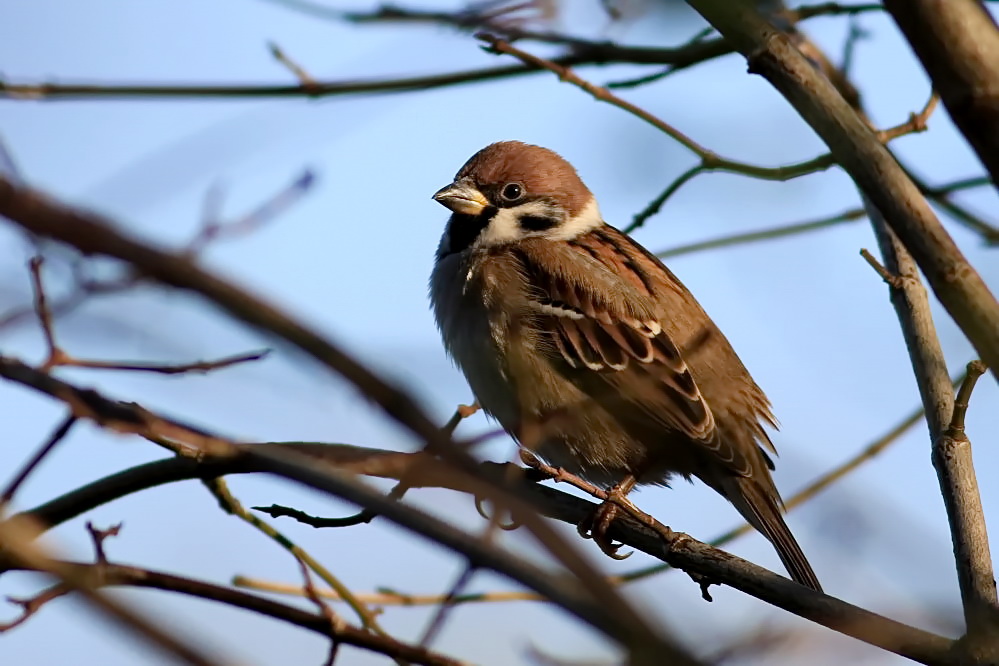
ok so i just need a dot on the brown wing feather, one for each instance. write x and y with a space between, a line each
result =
614 348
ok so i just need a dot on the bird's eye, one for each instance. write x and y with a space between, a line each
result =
512 191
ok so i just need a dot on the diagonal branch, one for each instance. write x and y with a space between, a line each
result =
958 44
855 146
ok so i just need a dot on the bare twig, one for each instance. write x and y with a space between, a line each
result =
167 368
461 413
389 597
57 436
336 622
851 215
229 503
447 604
952 458
97 538
116 575
213 230
598 53
303 77
43 312
891 279
955 430
710 161
17 547
58 357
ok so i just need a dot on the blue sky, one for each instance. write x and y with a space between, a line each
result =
807 315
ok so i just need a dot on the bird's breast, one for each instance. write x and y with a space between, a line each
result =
474 330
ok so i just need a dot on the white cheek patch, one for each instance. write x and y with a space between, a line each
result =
588 219
505 226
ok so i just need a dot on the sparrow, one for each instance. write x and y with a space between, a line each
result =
588 351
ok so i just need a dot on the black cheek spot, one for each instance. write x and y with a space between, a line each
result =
536 223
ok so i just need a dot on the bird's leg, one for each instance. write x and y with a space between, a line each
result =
595 526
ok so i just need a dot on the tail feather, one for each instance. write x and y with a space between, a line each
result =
763 512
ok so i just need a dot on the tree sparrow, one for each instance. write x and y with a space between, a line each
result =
588 350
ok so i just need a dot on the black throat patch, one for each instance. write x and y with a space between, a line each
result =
464 229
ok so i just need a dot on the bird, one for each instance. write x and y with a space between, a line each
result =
588 350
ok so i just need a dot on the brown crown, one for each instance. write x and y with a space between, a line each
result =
541 172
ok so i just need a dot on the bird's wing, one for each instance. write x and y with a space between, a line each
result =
594 304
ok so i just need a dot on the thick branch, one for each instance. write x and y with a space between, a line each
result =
855 146
958 43
682 552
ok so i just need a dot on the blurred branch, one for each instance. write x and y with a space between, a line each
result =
958 44
681 551
941 197
388 597
297 70
117 575
59 357
57 436
955 282
213 229
18 550
300 464
220 490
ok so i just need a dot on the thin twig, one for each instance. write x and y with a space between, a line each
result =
303 77
447 604
389 597
57 436
117 575
233 506
42 311
336 622
17 545
167 368
891 279
782 231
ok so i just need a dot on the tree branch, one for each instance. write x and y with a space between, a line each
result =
958 44
682 552
117 575
856 148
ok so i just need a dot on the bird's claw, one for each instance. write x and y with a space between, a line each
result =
595 527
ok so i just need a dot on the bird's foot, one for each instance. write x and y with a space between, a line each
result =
595 525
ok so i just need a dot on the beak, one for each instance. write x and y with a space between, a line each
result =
462 196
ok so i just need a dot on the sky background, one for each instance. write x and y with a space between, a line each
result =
807 315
